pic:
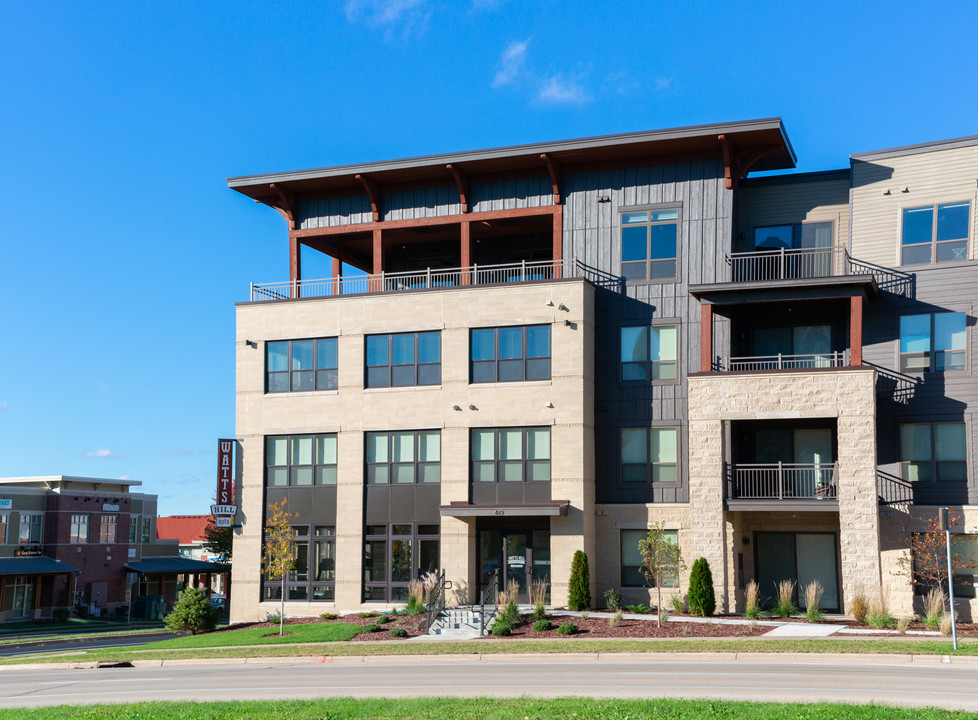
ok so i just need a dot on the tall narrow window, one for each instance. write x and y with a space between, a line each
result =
933 343
300 365
648 353
79 529
510 354
934 452
4 522
649 244
108 529
30 528
936 233
649 455
403 360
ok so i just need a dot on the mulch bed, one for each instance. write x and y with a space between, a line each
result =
599 627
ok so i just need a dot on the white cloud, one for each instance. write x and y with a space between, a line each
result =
409 16
511 62
102 453
558 90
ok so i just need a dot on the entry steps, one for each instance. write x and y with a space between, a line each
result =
460 623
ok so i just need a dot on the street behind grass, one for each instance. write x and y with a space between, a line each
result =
487 709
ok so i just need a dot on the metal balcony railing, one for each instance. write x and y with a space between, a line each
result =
429 279
804 263
893 490
838 358
782 481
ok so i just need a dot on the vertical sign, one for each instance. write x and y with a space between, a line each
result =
225 478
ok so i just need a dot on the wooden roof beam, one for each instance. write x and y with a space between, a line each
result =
285 204
553 170
462 183
735 167
373 193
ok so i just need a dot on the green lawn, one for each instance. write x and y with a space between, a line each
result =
486 709
305 633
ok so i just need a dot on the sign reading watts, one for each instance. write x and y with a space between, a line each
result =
224 509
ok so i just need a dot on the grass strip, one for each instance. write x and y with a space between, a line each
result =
108 632
304 633
486 709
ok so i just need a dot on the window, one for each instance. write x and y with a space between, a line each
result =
300 460
934 452
964 549
940 336
314 576
631 558
403 360
4 522
649 240
108 529
935 233
147 529
393 555
403 457
297 365
793 237
510 354
649 455
133 528
79 529
511 455
30 528
648 353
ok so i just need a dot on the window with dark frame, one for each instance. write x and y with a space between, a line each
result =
403 359
649 455
4 524
509 354
934 342
30 528
403 457
147 529
520 454
396 554
935 233
133 528
631 558
79 529
648 353
649 244
108 529
300 365
300 460
934 452
313 579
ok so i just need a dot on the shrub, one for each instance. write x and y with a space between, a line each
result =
946 627
813 596
568 628
501 628
858 608
878 615
615 620
193 613
121 612
511 611
61 615
398 633
785 607
934 608
365 615
663 616
543 625
678 603
371 628
585 616
752 606
538 597
700 598
612 599
902 625
329 616
579 591
415 604
383 619
640 608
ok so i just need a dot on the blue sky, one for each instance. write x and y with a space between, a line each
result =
123 251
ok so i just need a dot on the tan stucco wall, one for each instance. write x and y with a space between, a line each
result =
565 403
847 395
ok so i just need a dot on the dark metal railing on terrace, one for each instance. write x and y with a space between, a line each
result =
433 278
895 387
893 490
806 263
781 481
838 358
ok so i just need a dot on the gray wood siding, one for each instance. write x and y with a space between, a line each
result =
941 397
592 234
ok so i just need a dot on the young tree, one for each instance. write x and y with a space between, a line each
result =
193 613
279 558
661 560
928 555
218 541
579 590
701 598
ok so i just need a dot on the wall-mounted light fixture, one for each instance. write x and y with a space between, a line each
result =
549 405
887 191
905 190
456 408
251 343
473 407
604 199
550 303
563 307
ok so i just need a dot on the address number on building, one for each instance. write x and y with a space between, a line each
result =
500 512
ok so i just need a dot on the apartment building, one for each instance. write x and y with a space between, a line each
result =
549 347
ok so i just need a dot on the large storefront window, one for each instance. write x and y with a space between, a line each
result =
393 555
313 578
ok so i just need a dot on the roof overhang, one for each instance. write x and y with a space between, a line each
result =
174 565
35 566
758 144
768 291
554 508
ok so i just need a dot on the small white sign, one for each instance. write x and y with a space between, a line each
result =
223 521
109 507
6 504
132 552
224 509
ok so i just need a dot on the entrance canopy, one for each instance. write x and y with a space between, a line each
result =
551 509
35 566
175 564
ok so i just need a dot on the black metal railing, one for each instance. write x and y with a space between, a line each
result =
893 386
435 599
893 490
782 481
489 589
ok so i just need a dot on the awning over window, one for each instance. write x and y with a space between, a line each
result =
174 565
35 566
551 509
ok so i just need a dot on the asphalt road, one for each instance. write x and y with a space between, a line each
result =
942 685
81 643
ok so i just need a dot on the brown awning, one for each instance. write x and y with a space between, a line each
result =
550 509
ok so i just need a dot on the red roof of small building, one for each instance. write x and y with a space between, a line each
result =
188 529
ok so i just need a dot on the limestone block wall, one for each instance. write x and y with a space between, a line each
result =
849 396
564 403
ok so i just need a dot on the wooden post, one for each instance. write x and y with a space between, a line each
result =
855 330
558 240
706 337
295 266
337 277
378 260
465 228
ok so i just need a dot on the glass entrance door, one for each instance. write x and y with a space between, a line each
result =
519 556
801 557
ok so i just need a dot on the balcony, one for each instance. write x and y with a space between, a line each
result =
435 279
763 363
808 486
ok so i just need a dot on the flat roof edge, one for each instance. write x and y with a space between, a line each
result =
918 148
840 174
